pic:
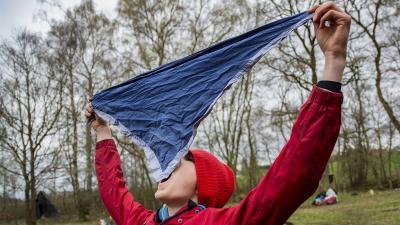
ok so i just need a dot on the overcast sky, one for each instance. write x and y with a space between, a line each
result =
24 13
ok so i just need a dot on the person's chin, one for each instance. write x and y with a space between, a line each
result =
159 195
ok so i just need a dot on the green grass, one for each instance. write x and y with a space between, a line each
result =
52 222
56 221
383 208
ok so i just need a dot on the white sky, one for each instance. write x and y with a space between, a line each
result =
16 14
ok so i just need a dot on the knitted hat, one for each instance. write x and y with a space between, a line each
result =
215 180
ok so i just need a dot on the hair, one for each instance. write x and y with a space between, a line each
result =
189 157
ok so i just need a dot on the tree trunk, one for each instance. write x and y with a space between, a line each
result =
89 145
4 192
32 200
370 31
74 159
390 156
89 168
27 202
385 103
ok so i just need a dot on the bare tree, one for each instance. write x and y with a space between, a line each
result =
360 138
372 20
153 25
95 35
82 47
30 108
297 59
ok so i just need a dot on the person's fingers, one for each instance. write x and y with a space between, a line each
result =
89 109
89 106
332 4
313 8
89 103
334 17
316 25
88 114
328 16
322 9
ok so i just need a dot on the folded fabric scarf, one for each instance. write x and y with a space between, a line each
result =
161 109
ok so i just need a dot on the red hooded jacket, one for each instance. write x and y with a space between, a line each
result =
293 177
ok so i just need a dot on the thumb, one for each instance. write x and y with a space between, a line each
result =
316 26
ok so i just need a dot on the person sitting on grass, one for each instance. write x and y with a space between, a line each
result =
198 189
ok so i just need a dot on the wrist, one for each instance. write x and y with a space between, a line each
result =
335 57
103 132
334 67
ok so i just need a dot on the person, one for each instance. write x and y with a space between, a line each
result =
329 197
198 189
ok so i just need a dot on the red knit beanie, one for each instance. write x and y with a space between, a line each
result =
215 180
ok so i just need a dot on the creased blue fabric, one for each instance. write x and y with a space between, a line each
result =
161 109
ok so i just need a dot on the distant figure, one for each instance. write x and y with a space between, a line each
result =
331 197
326 198
110 221
44 207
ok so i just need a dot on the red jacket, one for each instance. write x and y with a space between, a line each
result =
293 177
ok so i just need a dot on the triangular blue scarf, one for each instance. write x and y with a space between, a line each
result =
161 109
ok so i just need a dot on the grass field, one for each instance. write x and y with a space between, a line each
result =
383 208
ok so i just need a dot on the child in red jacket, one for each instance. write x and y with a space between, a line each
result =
201 185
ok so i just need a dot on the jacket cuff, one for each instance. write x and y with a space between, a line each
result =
105 143
330 85
325 97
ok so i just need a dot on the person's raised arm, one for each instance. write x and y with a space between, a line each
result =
295 174
112 187
332 27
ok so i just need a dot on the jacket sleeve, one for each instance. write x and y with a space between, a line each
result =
295 174
112 187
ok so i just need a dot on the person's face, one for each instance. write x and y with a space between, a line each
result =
180 186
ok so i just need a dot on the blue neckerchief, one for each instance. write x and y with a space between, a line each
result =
163 211
140 103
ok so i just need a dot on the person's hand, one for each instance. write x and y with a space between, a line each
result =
101 127
332 27
96 121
